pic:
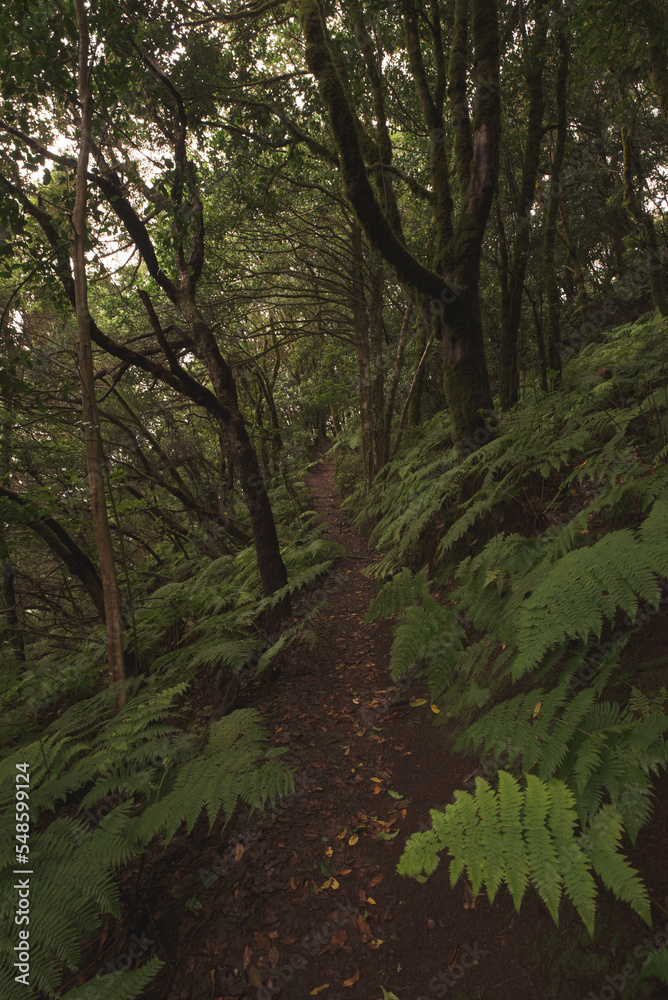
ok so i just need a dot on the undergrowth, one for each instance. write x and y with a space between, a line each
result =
104 786
519 632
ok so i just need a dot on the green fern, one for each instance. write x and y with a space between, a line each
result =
519 836
586 587
122 985
656 966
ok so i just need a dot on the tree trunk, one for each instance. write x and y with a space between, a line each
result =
273 574
453 286
511 311
553 201
94 454
578 273
643 218
420 341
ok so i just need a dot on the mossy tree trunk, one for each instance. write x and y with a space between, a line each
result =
452 286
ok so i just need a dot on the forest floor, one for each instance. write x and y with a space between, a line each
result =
306 901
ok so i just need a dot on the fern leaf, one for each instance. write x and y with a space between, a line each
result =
122 985
513 851
541 852
656 965
602 842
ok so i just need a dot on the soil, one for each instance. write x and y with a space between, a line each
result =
306 901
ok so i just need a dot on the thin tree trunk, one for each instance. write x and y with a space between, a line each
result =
12 637
645 219
94 454
391 396
553 201
417 385
511 303
578 273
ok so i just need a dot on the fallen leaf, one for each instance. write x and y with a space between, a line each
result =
319 989
248 951
377 790
353 840
417 702
239 852
340 938
260 940
329 851
377 780
376 880
376 943
344 871
431 924
536 709
352 980
293 882
435 709
370 901
361 925
255 977
274 956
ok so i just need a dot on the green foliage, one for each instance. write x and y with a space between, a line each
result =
425 634
588 586
542 607
519 836
656 966
104 786
121 985
144 777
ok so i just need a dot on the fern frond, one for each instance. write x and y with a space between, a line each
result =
126 984
520 835
232 766
588 585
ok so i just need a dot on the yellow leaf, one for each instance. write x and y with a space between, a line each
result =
536 709
377 779
417 702
353 840
435 709
319 989
375 943
370 901
329 851
352 980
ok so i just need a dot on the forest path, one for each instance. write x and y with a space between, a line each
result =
306 901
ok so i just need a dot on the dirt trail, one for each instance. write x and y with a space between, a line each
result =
306 901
